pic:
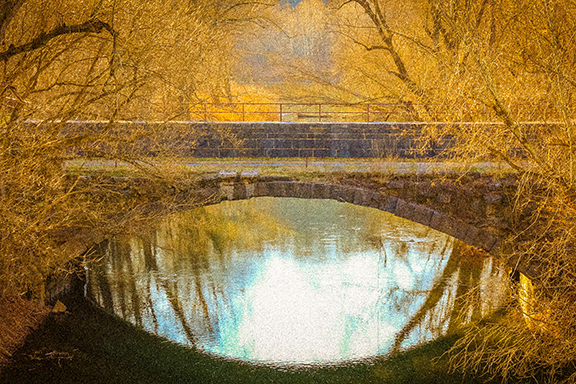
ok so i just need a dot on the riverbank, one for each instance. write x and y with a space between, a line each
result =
50 349
18 319
87 345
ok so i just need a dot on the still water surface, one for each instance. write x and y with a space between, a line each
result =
294 281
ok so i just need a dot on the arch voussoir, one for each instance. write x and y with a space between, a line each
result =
442 222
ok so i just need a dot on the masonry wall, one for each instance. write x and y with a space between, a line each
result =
289 139
265 139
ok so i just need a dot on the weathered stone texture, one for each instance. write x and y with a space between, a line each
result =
479 238
227 191
388 203
239 191
414 212
449 225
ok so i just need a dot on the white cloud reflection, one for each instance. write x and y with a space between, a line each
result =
317 296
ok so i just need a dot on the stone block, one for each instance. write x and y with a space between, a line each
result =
388 203
249 175
282 143
363 197
320 144
375 199
395 184
282 152
414 212
304 144
227 176
229 152
251 143
321 191
250 188
480 238
254 152
444 197
307 190
343 193
277 188
292 189
239 191
492 198
449 225
305 153
321 153
227 191
260 189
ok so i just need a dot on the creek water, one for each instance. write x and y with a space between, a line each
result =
286 281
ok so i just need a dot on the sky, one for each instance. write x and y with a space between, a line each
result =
294 3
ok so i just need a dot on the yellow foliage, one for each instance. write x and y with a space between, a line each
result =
537 315
246 103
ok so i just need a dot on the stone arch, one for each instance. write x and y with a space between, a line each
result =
417 213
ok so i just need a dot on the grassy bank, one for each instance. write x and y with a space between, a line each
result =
295 167
87 345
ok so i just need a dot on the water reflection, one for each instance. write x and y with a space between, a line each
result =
294 281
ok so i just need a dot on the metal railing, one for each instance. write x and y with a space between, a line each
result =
305 112
365 112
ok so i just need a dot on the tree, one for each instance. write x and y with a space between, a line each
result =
503 61
518 61
92 60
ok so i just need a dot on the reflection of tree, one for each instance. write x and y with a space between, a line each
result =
197 244
171 289
178 278
101 289
466 263
433 298
467 293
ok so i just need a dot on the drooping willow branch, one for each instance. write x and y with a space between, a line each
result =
90 26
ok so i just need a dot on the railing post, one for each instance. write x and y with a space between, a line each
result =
243 112
205 112
319 113
367 113
280 111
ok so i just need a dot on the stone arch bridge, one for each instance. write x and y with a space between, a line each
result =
475 209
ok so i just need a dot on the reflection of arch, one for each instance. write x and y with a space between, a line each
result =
441 222
193 305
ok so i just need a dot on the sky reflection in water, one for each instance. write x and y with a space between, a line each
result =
281 280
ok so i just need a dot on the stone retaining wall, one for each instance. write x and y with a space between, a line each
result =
270 139
338 140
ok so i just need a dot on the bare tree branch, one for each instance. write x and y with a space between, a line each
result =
90 26
8 8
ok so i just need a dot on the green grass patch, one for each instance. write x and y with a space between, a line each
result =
305 169
88 345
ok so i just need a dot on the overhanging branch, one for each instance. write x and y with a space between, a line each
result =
90 26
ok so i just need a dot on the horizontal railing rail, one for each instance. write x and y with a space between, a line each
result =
302 112
361 112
